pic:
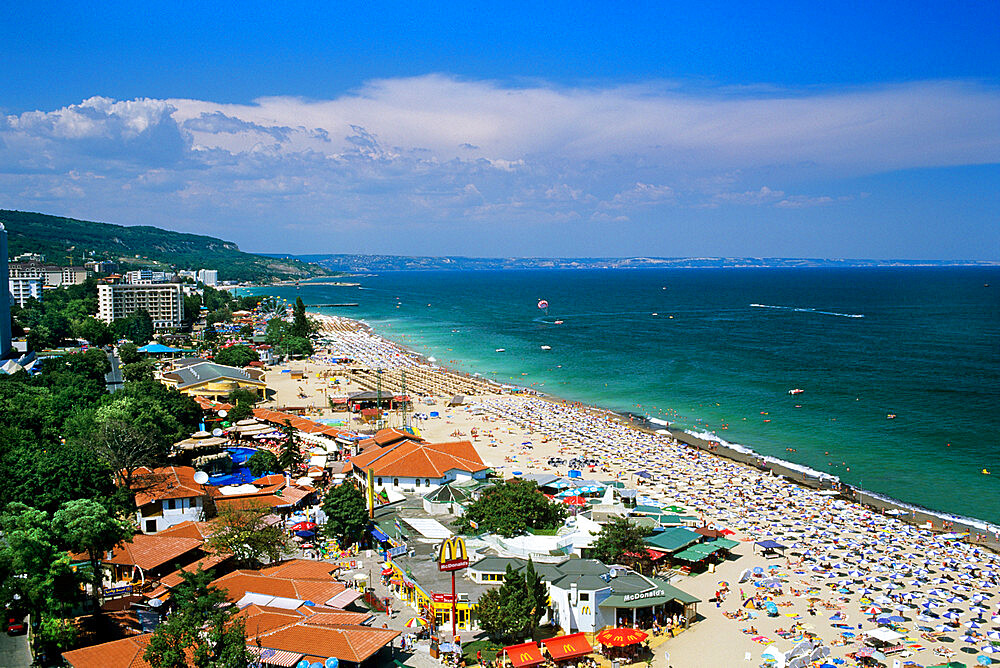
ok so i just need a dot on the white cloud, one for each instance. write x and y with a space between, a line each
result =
445 149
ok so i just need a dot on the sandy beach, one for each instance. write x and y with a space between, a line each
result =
847 569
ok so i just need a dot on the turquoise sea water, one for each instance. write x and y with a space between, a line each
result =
724 349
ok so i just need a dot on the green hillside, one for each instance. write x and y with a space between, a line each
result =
62 240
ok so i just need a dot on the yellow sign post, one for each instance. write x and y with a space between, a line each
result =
453 556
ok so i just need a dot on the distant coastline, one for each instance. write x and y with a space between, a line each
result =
383 263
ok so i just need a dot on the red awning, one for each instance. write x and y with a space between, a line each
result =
568 647
526 654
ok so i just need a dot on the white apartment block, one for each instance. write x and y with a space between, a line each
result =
163 301
208 276
51 275
23 289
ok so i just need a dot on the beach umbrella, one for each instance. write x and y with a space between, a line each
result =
621 637
305 534
303 526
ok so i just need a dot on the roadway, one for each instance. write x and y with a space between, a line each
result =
113 378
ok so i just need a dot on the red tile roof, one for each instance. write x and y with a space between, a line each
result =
302 569
167 482
346 642
278 418
150 551
189 529
125 653
238 583
412 458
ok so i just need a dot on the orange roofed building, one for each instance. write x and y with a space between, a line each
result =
275 636
167 496
404 463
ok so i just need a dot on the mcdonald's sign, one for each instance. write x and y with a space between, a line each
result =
453 556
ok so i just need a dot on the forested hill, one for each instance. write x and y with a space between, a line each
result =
65 240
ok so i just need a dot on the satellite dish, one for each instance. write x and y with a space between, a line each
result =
222 413
155 603
201 477
216 432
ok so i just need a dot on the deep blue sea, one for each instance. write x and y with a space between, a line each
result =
718 350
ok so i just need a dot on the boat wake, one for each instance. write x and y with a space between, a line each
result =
809 310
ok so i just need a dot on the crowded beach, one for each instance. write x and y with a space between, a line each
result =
811 568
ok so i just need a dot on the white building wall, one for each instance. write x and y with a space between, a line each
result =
163 301
23 289
184 510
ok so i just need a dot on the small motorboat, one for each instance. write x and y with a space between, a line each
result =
501 350
797 390
558 322
546 347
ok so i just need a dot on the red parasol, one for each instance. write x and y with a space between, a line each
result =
304 526
575 501
618 637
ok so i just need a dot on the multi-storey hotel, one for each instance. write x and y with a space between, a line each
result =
163 301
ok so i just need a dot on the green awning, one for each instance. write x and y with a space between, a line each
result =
662 593
673 539
690 554
725 543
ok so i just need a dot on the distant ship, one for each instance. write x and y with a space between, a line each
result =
546 347
501 350
797 390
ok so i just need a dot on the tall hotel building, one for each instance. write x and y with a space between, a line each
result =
163 301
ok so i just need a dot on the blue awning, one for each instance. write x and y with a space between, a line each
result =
158 348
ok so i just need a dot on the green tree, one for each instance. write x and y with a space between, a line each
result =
93 330
276 331
246 331
243 401
124 449
505 612
616 538
192 309
55 635
300 323
238 356
245 534
86 526
136 327
290 456
34 568
129 353
52 473
137 371
298 346
537 597
346 514
511 508
202 631
261 462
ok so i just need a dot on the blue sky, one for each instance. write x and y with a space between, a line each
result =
842 130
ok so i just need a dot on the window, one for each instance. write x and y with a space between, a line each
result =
417 483
171 504
395 482
380 481
427 482
150 526
584 596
